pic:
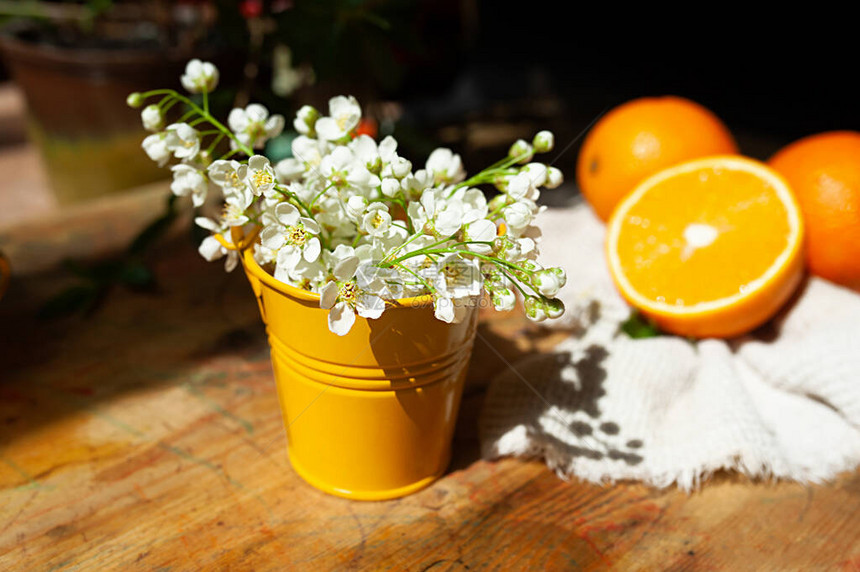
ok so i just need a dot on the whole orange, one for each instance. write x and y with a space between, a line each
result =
824 173
641 137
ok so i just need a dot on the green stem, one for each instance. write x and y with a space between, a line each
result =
215 143
515 283
152 92
429 250
321 193
418 276
203 113
293 197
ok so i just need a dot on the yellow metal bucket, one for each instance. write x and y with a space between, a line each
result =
369 415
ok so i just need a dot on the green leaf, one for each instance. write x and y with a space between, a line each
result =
136 275
75 299
638 326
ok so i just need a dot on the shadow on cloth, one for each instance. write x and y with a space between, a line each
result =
541 409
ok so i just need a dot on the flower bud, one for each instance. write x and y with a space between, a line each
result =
497 202
543 142
374 165
547 283
401 167
390 187
522 151
306 119
355 207
492 277
205 157
152 118
535 309
199 77
501 183
134 99
503 299
536 172
554 308
554 178
562 275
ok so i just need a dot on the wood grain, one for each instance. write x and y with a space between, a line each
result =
148 437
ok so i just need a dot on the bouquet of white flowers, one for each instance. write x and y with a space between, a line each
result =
351 220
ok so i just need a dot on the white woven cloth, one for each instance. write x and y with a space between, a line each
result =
782 403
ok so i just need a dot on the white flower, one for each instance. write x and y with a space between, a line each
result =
183 140
344 172
289 169
355 289
235 205
458 281
458 277
344 116
156 148
445 166
152 118
521 186
400 167
210 249
515 249
416 183
376 220
307 275
253 126
390 187
265 256
188 180
474 204
293 236
536 172
518 216
260 176
354 207
481 230
199 77
435 215
307 156
229 175
210 225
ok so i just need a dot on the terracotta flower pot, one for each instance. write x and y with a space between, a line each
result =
369 415
88 137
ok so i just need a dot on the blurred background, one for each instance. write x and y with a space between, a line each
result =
468 74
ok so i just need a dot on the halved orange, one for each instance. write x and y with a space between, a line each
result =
708 248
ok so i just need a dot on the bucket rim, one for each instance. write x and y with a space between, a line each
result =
253 267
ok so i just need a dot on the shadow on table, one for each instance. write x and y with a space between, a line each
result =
133 343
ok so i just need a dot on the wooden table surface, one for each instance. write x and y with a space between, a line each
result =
148 437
